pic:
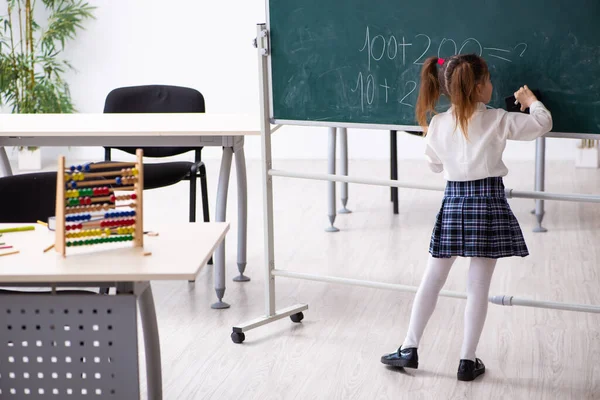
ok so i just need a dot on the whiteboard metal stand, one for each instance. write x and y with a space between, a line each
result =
331 189
344 169
540 180
540 168
295 311
331 198
271 314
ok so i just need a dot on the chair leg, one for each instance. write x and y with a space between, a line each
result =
193 188
104 290
204 194
107 154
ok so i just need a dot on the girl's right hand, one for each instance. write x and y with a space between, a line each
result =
525 97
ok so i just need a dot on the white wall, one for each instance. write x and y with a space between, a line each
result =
208 45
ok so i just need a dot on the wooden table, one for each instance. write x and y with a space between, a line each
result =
178 253
146 130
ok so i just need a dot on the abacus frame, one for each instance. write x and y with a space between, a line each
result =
60 244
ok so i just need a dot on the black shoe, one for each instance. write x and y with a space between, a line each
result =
469 370
406 358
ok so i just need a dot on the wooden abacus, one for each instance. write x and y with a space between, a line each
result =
87 212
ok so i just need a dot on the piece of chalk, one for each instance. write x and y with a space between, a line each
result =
516 102
5 247
9 253
42 223
18 229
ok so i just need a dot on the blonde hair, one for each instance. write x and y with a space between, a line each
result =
457 78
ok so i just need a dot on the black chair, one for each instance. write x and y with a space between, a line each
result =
164 99
29 198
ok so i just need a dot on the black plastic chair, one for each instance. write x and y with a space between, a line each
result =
27 197
30 198
164 99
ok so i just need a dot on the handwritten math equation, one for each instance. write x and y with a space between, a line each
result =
412 52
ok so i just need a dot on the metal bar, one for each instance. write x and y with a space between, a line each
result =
586 198
344 169
331 194
512 301
540 179
334 124
151 344
411 128
384 182
220 216
267 181
240 169
356 282
343 178
255 323
499 300
571 135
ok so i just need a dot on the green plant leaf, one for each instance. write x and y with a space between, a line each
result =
32 82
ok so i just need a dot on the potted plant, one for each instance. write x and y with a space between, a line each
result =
31 71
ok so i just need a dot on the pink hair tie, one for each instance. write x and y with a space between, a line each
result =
441 61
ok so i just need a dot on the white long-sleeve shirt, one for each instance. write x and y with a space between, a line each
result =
480 156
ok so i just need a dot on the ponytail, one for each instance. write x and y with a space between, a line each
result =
457 78
429 92
462 87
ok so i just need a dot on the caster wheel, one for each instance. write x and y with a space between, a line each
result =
238 337
297 317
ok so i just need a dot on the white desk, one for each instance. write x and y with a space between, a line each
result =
178 253
146 130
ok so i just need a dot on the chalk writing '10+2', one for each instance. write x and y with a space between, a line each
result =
367 92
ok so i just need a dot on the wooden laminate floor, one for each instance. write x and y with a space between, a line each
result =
530 353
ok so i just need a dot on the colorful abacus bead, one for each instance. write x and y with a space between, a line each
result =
83 217
119 214
73 227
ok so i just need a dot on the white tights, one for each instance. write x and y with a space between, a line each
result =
478 286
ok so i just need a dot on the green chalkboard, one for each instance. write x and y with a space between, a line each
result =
358 61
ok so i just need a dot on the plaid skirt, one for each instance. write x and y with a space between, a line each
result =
475 220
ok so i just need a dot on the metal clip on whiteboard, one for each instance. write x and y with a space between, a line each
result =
264 42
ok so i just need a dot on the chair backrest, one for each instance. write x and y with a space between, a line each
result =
28 197
155 99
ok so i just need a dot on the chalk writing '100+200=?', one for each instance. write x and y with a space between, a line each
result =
413 53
